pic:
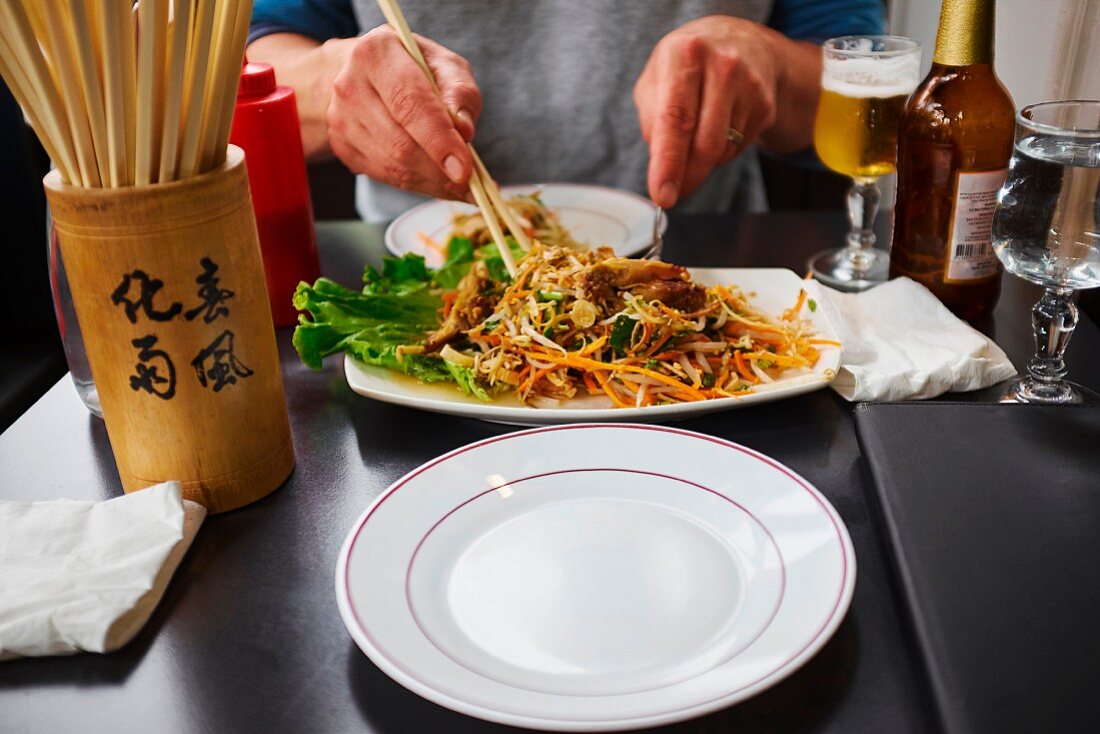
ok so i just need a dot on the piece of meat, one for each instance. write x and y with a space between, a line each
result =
470 308
683 295
623 272
649 279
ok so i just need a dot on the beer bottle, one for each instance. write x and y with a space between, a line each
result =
953 150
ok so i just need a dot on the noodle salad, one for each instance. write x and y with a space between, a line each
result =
570 323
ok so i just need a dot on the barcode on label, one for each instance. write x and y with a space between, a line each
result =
973 249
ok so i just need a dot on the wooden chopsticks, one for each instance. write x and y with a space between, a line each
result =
120 95
494 208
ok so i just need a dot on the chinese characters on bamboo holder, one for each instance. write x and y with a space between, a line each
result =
169 288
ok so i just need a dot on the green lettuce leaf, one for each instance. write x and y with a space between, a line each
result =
398 306
369 326
466 379
491 255
460 255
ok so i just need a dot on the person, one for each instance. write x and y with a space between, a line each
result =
545 88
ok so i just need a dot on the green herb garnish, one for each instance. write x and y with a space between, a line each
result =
620 334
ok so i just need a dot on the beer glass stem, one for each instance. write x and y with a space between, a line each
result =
863 200
1053 318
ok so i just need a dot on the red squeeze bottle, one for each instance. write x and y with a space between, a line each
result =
265 126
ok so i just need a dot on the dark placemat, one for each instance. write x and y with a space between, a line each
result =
992 515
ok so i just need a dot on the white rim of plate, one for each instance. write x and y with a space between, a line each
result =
395 670
389 237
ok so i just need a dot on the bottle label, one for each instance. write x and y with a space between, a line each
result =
970 256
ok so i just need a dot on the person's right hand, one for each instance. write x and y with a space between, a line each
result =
385 121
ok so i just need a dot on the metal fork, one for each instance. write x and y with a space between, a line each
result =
657 241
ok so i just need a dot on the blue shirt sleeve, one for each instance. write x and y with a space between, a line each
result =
317 19
817 20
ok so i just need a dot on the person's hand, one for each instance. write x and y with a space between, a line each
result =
384 120
702 79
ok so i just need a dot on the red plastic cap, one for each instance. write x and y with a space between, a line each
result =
257 79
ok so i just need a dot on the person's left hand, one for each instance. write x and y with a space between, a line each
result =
707 76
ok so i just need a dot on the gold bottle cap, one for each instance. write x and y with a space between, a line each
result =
965 35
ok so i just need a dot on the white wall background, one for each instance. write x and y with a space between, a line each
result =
1046 49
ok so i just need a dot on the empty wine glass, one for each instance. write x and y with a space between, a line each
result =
1047 230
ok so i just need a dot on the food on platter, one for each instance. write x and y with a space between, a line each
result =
569 323
537 220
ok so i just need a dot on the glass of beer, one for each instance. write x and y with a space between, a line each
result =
865 83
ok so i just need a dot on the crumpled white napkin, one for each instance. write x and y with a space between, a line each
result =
87 575
900 343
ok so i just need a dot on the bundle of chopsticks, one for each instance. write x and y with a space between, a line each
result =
123 93
494 209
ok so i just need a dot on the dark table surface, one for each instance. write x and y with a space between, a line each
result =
248 637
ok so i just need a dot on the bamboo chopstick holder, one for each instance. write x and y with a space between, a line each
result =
166 274
188 377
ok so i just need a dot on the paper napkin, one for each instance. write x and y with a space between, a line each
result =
87 575
900 342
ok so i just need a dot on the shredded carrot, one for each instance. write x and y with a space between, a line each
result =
685 396
449 302
743 369
530 381
773 342
825 342
588 349
723 376
660 343
492 339
782 360
792 312
610 393
591 364
755 325
630 387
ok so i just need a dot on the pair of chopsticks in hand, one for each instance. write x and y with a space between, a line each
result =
123 97
493 207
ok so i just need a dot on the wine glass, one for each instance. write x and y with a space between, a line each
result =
865 83
1046 229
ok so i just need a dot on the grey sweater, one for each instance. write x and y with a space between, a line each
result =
556 79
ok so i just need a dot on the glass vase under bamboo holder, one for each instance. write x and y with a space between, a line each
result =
169 289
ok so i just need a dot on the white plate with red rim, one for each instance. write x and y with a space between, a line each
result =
595 577
772 290
597 215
